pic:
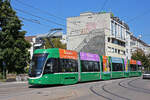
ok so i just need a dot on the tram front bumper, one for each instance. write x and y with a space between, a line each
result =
34 81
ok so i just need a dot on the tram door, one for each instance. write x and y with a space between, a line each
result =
51 71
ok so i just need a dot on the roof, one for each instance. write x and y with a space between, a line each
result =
141 41
29 38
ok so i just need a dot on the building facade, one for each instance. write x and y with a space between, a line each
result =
31 39
100 33
136 44
37 41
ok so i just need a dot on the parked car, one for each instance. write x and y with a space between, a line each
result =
146 75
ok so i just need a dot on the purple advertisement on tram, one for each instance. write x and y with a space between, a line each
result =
89 56
139 63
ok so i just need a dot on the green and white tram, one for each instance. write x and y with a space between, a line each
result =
59 66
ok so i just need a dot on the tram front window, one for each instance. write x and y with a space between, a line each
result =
51 66
37 64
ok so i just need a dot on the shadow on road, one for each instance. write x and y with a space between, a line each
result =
60 85
44 86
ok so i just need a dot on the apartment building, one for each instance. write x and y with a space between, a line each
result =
137 43
100 33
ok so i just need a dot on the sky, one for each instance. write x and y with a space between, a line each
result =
39 16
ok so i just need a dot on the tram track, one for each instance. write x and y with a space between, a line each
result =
130 84
106 90
93 91
103 87
131 87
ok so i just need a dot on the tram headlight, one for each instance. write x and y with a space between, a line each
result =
39 81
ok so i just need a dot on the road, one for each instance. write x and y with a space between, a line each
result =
118 89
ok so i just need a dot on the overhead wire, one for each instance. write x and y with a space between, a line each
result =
33 21
138 16
45 12
104 4
45 19
61 18
23 11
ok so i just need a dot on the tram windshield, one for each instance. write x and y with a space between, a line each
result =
36 65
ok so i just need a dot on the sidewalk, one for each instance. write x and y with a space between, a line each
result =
15 82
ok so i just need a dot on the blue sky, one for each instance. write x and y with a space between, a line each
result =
135 12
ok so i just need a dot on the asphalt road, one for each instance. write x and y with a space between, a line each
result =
118 89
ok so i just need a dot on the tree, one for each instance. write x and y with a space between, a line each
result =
140 55
56 42
14 54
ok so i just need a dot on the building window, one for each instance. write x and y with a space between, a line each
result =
112 27
115 29
114 41
118 42
108 39
127 50
124 52
109 49
112 50
118 51
123 44
118 31
115 50
121 32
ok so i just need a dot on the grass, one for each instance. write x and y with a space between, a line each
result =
2 80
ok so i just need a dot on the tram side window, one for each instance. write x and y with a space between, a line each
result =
84 65
90 66
133 67
96 66
117 67
51 66
67 65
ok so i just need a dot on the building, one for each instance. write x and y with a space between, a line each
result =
31 39
64 39
37 41
136 44
100 33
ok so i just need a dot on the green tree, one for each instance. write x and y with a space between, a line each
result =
56 42
140 55
14 54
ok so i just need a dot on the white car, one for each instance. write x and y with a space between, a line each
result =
146 75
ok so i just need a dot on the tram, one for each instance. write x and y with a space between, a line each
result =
60 66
